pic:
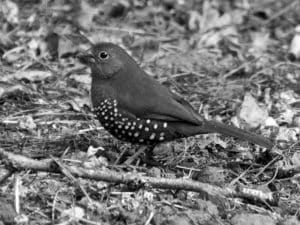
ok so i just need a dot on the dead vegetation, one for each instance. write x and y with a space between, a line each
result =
235 61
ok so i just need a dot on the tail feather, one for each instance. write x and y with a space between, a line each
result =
217 127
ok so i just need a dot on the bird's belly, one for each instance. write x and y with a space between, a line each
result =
132 129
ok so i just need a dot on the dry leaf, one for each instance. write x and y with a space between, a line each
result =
252 219
74 213
260 42
295 44
6 90
251 113
288 134
87 13
27 123
33 75
10 11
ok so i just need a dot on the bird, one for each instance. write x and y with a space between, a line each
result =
134 107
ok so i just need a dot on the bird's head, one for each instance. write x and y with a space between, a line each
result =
105 60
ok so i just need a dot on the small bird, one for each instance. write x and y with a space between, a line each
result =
136 108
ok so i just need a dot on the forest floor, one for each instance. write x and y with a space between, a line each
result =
235 61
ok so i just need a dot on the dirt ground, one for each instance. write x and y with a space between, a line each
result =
235 61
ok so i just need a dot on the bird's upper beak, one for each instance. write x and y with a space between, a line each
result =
86 57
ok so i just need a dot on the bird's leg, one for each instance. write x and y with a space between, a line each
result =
148 150
131 159
149 160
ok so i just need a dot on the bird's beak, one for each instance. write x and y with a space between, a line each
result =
86 57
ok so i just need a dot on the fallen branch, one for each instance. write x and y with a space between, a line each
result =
18 162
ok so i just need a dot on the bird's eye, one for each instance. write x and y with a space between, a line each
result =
103 55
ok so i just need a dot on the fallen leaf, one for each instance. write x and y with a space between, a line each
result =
286 116
288 134
10 11
271 122
251 113
295 45
296 159
252 219
27 123
260 42
13 54
74 213
7 90
86 15
33 75
5 40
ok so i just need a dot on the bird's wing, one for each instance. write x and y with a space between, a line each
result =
151 100
185 109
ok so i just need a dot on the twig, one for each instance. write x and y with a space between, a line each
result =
17 193
226 75
6 175
131 31
149 218
281 12
240 176
266 166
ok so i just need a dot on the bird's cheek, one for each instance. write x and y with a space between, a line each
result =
109 70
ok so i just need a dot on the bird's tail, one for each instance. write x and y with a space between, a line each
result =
217 127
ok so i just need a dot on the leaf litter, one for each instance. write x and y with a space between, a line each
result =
230 59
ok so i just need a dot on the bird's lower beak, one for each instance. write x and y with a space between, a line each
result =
86 57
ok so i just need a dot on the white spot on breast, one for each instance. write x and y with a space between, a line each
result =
123 132
103 113
140 126
106 124
132 128
161 138
126 127
148 121
136 134
120 126
129 134
147 129
106 117
111 118
165 125
155 126
152 136
115 110
141 140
